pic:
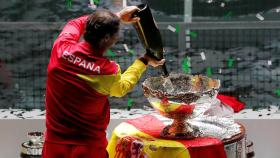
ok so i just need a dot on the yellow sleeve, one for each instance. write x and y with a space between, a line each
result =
125 82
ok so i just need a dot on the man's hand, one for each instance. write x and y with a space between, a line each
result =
152 61
126 14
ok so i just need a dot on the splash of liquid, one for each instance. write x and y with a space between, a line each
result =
167 84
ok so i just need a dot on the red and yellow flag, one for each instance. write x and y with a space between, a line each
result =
141 137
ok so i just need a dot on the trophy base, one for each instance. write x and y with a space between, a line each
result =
29 156
189 134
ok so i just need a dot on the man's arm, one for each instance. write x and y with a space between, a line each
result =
125 82
72 31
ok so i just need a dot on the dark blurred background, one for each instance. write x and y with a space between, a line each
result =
243 32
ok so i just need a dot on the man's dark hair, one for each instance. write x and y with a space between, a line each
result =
99 24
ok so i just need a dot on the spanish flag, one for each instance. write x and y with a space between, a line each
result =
140 138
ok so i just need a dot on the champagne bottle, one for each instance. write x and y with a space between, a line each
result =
149 34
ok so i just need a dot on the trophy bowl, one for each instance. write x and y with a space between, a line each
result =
175 97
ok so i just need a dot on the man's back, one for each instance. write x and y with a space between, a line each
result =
77 108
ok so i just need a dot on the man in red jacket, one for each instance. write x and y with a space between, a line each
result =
80 79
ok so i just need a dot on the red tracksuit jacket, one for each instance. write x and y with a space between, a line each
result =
79 81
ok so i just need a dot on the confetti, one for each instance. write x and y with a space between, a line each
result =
92 6
209 72
277 10
188 45
230 63
16 86
203 57
209 1
125 47
171 28
177 28
188 38
269 62
69 4
277 91
96 2
260 17
229 14
223 4
129 103
186 65
193 34
220 70
93 3
111 53
131 52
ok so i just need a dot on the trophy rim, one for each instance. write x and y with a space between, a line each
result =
188 97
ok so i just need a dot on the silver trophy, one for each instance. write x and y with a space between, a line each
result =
33 147
175 97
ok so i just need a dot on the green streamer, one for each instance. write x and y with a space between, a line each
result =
229 14
131 52
186 65
96 2
277 91
230 63
111 53
69 4
129 103
177 28
209 72
193 34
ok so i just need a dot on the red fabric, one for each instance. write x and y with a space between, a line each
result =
198 147
185 109
232 102
75 113
52 150
148 124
